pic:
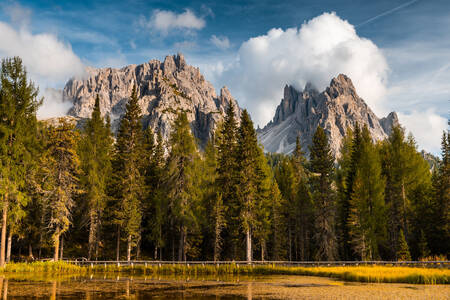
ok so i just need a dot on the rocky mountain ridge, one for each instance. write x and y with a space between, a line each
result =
334 109
164 89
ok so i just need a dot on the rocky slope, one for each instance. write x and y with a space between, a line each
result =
335 109
164 88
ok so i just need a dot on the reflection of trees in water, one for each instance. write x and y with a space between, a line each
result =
250 290
5 288
53 292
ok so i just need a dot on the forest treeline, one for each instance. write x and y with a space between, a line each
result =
85 193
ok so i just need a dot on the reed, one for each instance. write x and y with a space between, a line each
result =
370 274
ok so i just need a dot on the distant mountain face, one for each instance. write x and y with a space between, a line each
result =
335 109
164 89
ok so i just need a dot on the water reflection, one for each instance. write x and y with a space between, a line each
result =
98 286
113 286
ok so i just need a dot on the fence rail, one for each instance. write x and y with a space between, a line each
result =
82 262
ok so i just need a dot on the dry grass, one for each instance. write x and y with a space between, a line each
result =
375 274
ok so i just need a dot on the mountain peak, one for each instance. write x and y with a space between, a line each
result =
335 109
341 85
164 89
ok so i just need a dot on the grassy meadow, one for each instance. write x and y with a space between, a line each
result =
372 274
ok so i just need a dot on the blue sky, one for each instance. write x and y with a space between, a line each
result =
403 45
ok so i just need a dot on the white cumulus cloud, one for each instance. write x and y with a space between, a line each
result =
221 42
426 127
316 52
166 20
45 57
48 60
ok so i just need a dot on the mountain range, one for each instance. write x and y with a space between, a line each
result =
165 88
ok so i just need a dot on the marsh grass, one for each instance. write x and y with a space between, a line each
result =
369 274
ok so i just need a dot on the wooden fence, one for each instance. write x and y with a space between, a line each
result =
429 264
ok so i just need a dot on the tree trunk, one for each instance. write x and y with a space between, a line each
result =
118 243
138 249
263 249
290 242
30 251
155 254
5 289
91 235
56 254
249 245
129 248
181 245
3 238
8 247
61 248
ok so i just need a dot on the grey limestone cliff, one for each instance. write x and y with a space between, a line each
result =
335 109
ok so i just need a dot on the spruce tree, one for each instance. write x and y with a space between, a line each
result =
247 186
213 202
156 211
264 189
407 176
61 167
366 221
227 170
95 153
439 232
127 178
301 207
181 183
18 105
402 248
277 222
322 166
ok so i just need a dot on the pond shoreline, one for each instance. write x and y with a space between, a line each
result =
361 273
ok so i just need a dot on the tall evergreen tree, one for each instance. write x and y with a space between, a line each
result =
366 222
440 207
247 186
407 175
95 153
301 207
227 170
402 248
18 105
213 202
322 166
157 203
61 182
128 180
181 182
263 202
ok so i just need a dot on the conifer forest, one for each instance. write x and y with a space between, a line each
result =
69 192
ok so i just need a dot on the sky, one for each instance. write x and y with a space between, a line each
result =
397 52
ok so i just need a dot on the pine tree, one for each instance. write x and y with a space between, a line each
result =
18 106
423 246
128 180
227 170
278 222
286 181
213 201
247 185
157 203
263 203
322 166
95 152
407 176
61 167
366 222
181 179
301 212
403 249
440 205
